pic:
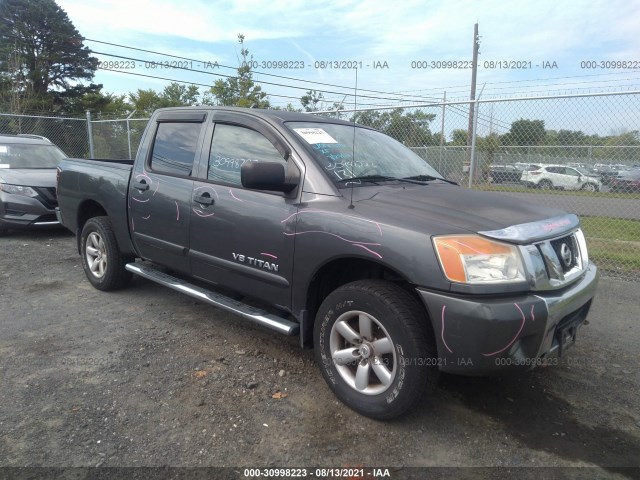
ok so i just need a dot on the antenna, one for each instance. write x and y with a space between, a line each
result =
353 145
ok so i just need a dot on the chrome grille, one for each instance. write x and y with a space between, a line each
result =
566 249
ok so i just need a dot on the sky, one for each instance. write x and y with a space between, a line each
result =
402 50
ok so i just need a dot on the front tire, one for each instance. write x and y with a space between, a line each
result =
102 261
375 348
590 187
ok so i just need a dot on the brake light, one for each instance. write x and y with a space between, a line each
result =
58 171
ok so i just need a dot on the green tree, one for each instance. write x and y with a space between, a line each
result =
459 138
488 146
42 57
411 129
240 91
525 133
311 100
145 102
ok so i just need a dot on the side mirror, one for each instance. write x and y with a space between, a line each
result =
270 176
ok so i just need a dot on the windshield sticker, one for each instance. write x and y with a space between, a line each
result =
3 149
315 135
5 165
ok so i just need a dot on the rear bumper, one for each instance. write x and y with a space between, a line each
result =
488 335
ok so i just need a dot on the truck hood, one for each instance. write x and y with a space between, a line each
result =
29 177
436 208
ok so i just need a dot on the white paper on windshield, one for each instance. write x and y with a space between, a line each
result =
315 135
3 149
5 165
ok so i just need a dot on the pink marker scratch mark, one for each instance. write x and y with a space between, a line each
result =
533 317
333 235
138 200
177 211
133 225
368 250
514 338
202 214
322 212
236 198
147 217
442 332
157 186
269 255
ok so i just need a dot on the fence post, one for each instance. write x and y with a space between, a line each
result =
474 133
90 134
129 132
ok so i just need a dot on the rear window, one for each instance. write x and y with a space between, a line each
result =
175 147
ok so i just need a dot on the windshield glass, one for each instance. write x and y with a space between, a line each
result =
24 155
375 154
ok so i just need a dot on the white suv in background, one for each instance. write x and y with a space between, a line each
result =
561 176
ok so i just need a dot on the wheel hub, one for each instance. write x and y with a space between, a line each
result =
365 350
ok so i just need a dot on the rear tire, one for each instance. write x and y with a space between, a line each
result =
545 185
102 261
375 348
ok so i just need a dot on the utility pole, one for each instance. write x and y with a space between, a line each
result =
474 74
444 101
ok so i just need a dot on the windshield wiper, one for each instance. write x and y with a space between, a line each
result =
428 178
368 178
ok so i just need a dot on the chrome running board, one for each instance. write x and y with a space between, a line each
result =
261 317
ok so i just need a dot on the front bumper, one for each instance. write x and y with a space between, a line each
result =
487 335
20 211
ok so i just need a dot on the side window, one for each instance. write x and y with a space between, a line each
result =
571 171
174 148
232 146
554 170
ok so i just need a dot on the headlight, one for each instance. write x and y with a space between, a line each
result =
18 190
478 260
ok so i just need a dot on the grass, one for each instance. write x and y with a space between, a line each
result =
521 189
614 245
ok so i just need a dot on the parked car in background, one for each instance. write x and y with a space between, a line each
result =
609 172
504 174
28 181
561 176
628 181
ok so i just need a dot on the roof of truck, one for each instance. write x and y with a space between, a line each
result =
281 115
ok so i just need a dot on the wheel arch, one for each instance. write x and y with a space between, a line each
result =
340 271
87 210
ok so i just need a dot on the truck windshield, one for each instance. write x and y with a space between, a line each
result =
376 157
24 155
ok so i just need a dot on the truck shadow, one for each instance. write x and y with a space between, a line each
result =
540 420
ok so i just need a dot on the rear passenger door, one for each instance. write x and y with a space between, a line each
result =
238 236
572 179
161 186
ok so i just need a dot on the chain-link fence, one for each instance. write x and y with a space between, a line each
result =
81 137
579 153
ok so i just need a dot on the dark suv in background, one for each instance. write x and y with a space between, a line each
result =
28 181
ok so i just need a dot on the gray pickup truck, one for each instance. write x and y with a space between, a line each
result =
337 233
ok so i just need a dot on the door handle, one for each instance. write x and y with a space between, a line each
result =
204 199
141 185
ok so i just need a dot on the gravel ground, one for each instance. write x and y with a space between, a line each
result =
149 377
